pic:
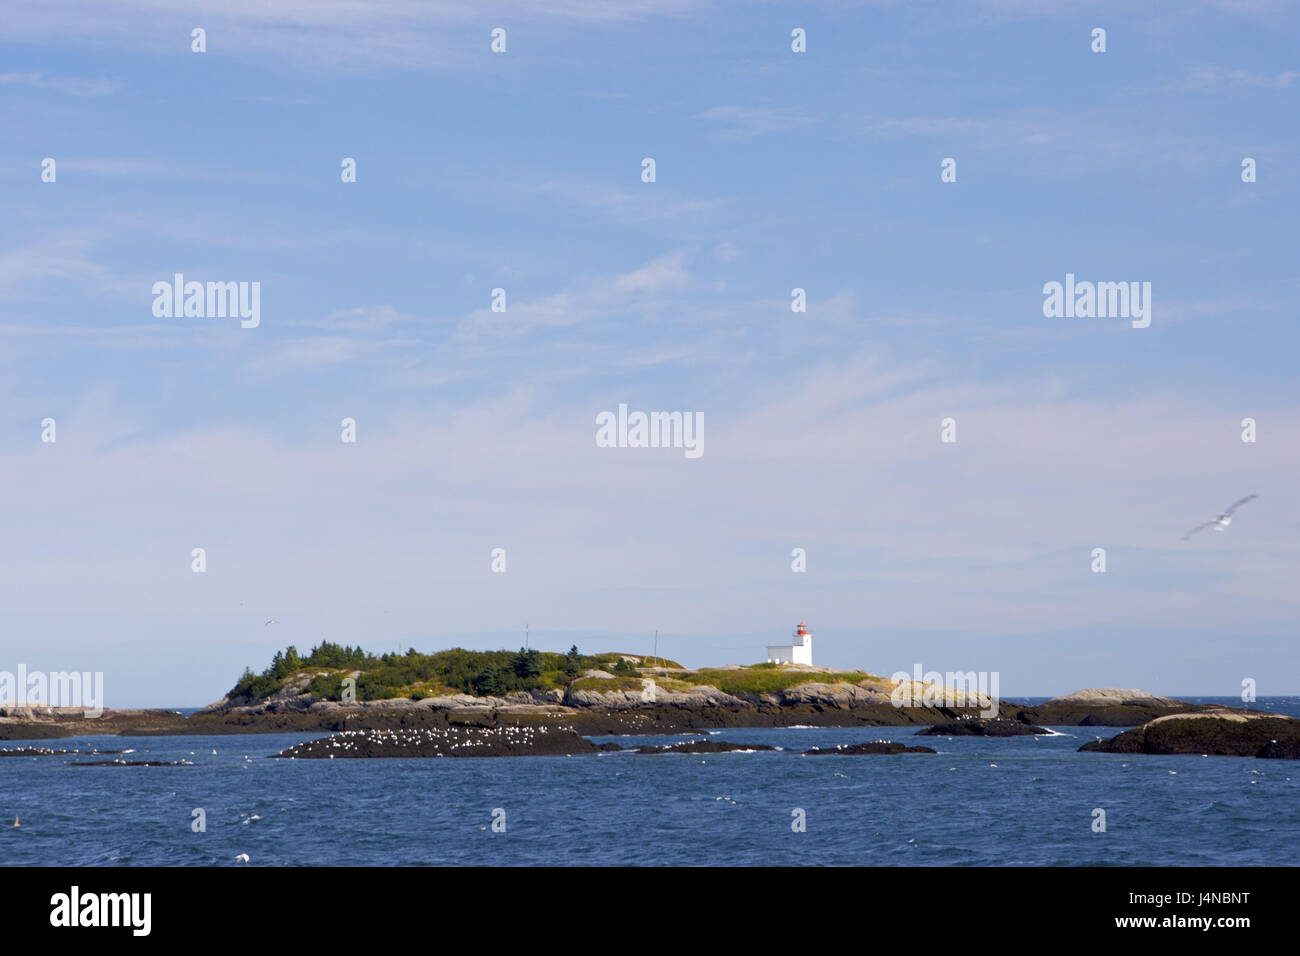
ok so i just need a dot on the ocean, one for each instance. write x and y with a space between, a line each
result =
979 801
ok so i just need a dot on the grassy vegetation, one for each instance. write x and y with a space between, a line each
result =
609 660
607 684
493 673
766 679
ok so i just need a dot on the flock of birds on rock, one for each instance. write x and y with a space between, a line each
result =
441 740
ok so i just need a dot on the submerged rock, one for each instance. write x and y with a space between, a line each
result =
875 747
980 727
47 752
701 747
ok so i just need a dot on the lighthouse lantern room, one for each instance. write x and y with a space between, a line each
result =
798 651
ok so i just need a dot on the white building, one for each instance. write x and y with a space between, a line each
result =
798 651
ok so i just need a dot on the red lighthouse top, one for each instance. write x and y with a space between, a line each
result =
803 630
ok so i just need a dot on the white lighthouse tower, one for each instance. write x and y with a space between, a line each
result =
798 651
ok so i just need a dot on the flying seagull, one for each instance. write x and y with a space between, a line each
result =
270 621
1223 520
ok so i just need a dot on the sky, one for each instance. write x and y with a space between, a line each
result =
475 429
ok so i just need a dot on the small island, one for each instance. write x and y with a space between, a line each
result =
1216 733
459 702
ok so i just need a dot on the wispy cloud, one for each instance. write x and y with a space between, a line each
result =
1115 138
600 298
651 203
71 85
159 169
1209 77
741 122
322 34
57 261
371 318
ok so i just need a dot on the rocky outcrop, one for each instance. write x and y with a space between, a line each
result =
1106 707
47 723
1230 733
450 741
875 747
702 747
815 695
839 696
640 692
979 727
1113 696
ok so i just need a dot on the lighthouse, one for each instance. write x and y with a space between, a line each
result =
798 651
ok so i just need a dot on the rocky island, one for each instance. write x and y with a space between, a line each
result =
1216 733
545 702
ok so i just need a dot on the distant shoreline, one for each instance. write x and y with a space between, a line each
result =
643 718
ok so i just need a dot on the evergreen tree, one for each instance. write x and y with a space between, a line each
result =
572 662
527 664
488 681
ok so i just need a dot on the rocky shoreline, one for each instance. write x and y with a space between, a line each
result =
415 728
555 723
817 705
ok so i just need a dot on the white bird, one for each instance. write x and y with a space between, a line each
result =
242 858
270 621
1224 518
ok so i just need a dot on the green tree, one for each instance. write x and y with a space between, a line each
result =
488 681
527 664
572 663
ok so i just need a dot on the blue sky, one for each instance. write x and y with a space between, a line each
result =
775 170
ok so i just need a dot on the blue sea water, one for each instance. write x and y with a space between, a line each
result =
1021 800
